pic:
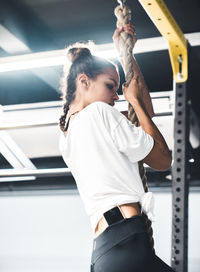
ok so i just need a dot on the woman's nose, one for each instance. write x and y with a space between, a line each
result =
116 97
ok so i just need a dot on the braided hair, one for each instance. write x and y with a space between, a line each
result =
82 61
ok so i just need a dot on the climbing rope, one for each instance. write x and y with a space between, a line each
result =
123 14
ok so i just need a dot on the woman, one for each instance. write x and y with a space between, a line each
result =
102 148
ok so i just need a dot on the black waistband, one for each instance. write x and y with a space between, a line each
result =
116 232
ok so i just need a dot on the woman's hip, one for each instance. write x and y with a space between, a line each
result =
125 246
118 232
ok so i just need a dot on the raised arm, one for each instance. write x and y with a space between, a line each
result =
129 28
137 94
160 156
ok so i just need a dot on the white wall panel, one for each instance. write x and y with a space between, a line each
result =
52 232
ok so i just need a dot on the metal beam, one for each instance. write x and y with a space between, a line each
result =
159 100
55 172
11 44
12 152
57 57
37 173
166 24
31 124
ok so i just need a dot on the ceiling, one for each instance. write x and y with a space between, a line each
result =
45 25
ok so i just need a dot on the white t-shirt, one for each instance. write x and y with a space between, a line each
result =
102 148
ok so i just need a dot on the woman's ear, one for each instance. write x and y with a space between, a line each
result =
83 81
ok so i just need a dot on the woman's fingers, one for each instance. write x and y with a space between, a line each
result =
117 32
129 29
133 83
133 35
133 89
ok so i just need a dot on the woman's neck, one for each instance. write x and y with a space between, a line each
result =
76 107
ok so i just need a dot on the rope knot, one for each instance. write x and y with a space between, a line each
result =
123 15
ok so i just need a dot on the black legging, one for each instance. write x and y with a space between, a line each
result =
124 247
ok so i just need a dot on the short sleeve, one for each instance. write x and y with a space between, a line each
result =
132 141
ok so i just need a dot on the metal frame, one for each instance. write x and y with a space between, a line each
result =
180 180
178 51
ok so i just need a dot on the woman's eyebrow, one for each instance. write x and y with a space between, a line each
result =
114 81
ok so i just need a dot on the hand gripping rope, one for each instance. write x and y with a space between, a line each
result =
123 14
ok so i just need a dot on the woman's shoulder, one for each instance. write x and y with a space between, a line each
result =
98 104
109 115
103 107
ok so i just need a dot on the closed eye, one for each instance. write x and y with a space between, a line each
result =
110 86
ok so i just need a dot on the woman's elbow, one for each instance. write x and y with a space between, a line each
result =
161 164
165 163
159 160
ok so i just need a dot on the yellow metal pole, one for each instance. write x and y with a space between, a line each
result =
165 23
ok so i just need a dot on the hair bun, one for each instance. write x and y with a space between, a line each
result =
74 52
